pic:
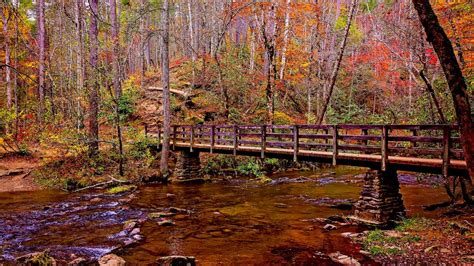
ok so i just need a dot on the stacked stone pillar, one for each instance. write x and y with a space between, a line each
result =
188 166
380 201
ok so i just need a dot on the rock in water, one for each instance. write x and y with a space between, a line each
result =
37 258
343 259
79 262
176 261
166 222
112 260
330 227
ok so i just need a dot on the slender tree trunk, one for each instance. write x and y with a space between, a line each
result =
94 81
165 152
457 84
192 43
80 47
41 59
116 78
432 93
116 49
5 17
270 67
143 38
337 64
285 38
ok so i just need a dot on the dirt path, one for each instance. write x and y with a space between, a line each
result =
15 174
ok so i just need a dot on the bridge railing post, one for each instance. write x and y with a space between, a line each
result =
263 143
334 145
213 128
174 137
446 150
235 140
414 133
384 147
295 142
191 139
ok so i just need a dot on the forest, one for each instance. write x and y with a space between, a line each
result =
295 132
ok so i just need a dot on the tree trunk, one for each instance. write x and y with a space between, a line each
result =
165 152
270 67
432 93
285 39
94 81
80 47
116 49
457 85
191 44
337 64
5 17
41 59
143 40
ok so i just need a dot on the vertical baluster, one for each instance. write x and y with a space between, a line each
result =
191 139
365 132
235 140
334 145
213 128
384 147
414 133
326 140
295 142
263 142
446 150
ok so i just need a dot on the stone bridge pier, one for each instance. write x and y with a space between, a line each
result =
380 200
188 166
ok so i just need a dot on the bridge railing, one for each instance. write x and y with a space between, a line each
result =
421 141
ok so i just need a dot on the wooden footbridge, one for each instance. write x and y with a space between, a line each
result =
417 148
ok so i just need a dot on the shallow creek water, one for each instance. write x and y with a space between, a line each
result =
238 221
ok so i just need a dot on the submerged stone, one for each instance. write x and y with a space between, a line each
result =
155 215
343 259
166 222
176 260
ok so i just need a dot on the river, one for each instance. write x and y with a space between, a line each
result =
237 221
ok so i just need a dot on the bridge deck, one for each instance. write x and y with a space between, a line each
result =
419 148
368 160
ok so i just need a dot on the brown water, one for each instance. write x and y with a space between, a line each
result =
230 222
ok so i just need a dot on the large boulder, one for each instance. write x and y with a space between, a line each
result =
111 260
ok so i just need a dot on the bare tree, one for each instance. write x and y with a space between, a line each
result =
165 152
116 49
41 60
94 80
337 64
5 18
285 38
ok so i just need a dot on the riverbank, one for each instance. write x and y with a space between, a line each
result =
443 240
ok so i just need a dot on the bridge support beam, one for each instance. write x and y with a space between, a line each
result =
380 201
188 166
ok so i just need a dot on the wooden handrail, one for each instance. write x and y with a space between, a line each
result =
428 141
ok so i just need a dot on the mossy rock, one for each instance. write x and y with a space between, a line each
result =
121 189
37 259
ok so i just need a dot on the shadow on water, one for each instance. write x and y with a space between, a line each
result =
232 222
